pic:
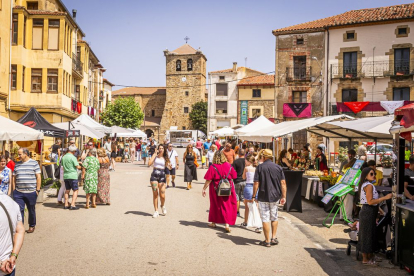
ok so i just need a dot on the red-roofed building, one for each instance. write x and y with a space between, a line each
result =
362 55
223 108
256 97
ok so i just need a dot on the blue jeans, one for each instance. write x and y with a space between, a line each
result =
29 200
12 274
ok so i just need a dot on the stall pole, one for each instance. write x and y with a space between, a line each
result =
274 154
375 151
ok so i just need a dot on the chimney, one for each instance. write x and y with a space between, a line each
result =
234 66
74 14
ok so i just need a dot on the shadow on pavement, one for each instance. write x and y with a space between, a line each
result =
53 205
200 224
339 241
238 239
139 213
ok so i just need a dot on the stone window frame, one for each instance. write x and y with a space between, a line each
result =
250 115
349 84
186 110
345 36
300 36
340 58
390 53
401 27
389 91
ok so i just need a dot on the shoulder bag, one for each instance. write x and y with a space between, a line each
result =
10 223
224 186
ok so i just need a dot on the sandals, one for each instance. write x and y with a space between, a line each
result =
212 225
371 262
274 241
227 230
265 244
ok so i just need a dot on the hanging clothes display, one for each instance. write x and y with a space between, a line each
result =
391 106
73 105
79 107
356 107
299 110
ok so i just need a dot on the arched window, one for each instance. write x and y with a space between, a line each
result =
178 65
190 65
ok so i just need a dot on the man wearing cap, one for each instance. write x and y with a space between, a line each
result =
269 182
207 145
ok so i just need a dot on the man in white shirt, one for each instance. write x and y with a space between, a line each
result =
173 156
107 147
8 250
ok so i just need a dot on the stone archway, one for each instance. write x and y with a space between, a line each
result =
149 133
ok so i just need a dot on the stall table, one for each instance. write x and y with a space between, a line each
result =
307 184
294 188
405 230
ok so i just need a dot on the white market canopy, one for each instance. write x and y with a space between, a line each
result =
13 131
365 129
224 131
266 134
84 130
259 123
135 134
88 121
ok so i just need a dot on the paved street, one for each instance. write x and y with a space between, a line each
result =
124 239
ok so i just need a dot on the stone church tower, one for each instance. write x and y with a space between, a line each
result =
186 85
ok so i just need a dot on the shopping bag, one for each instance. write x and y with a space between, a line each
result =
254 216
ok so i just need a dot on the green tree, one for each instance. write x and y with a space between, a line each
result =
198 116
123 112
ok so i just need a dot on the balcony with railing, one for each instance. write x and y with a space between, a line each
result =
77 66
298 73
372 69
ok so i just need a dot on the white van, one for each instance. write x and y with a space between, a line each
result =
181 138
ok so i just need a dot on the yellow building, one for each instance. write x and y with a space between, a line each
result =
256 97
53 68
5 21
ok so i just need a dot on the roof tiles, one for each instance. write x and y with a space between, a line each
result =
129 91
405 11
258 80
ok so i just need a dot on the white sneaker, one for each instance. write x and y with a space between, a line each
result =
164 210
155 215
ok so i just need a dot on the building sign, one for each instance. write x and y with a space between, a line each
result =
72 133
243 112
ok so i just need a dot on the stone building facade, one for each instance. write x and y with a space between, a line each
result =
170 106
152 103
185 85
257 96
223 96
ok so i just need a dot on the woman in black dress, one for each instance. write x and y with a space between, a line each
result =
283 161
190 169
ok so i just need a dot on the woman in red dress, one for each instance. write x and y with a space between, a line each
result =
223 209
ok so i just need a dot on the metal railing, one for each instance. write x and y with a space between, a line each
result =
373 69
298 73
77 65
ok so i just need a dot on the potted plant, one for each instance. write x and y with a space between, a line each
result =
386 163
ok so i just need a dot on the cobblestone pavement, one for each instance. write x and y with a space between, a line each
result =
124 239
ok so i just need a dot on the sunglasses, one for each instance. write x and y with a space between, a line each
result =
372 173
90 144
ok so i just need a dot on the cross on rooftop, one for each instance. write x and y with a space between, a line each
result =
186 39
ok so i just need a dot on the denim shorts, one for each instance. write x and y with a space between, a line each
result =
71 184
248 191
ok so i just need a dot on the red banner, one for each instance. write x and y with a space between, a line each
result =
356 107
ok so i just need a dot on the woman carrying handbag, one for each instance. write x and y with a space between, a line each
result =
223 209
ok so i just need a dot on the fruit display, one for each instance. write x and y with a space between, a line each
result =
329 178
313 173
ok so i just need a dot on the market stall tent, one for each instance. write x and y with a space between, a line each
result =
370 128
88 121
118 129
267 133
135 134
260 123
14 131
35 120
224 131
84 130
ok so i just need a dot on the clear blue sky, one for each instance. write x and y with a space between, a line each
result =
129 36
